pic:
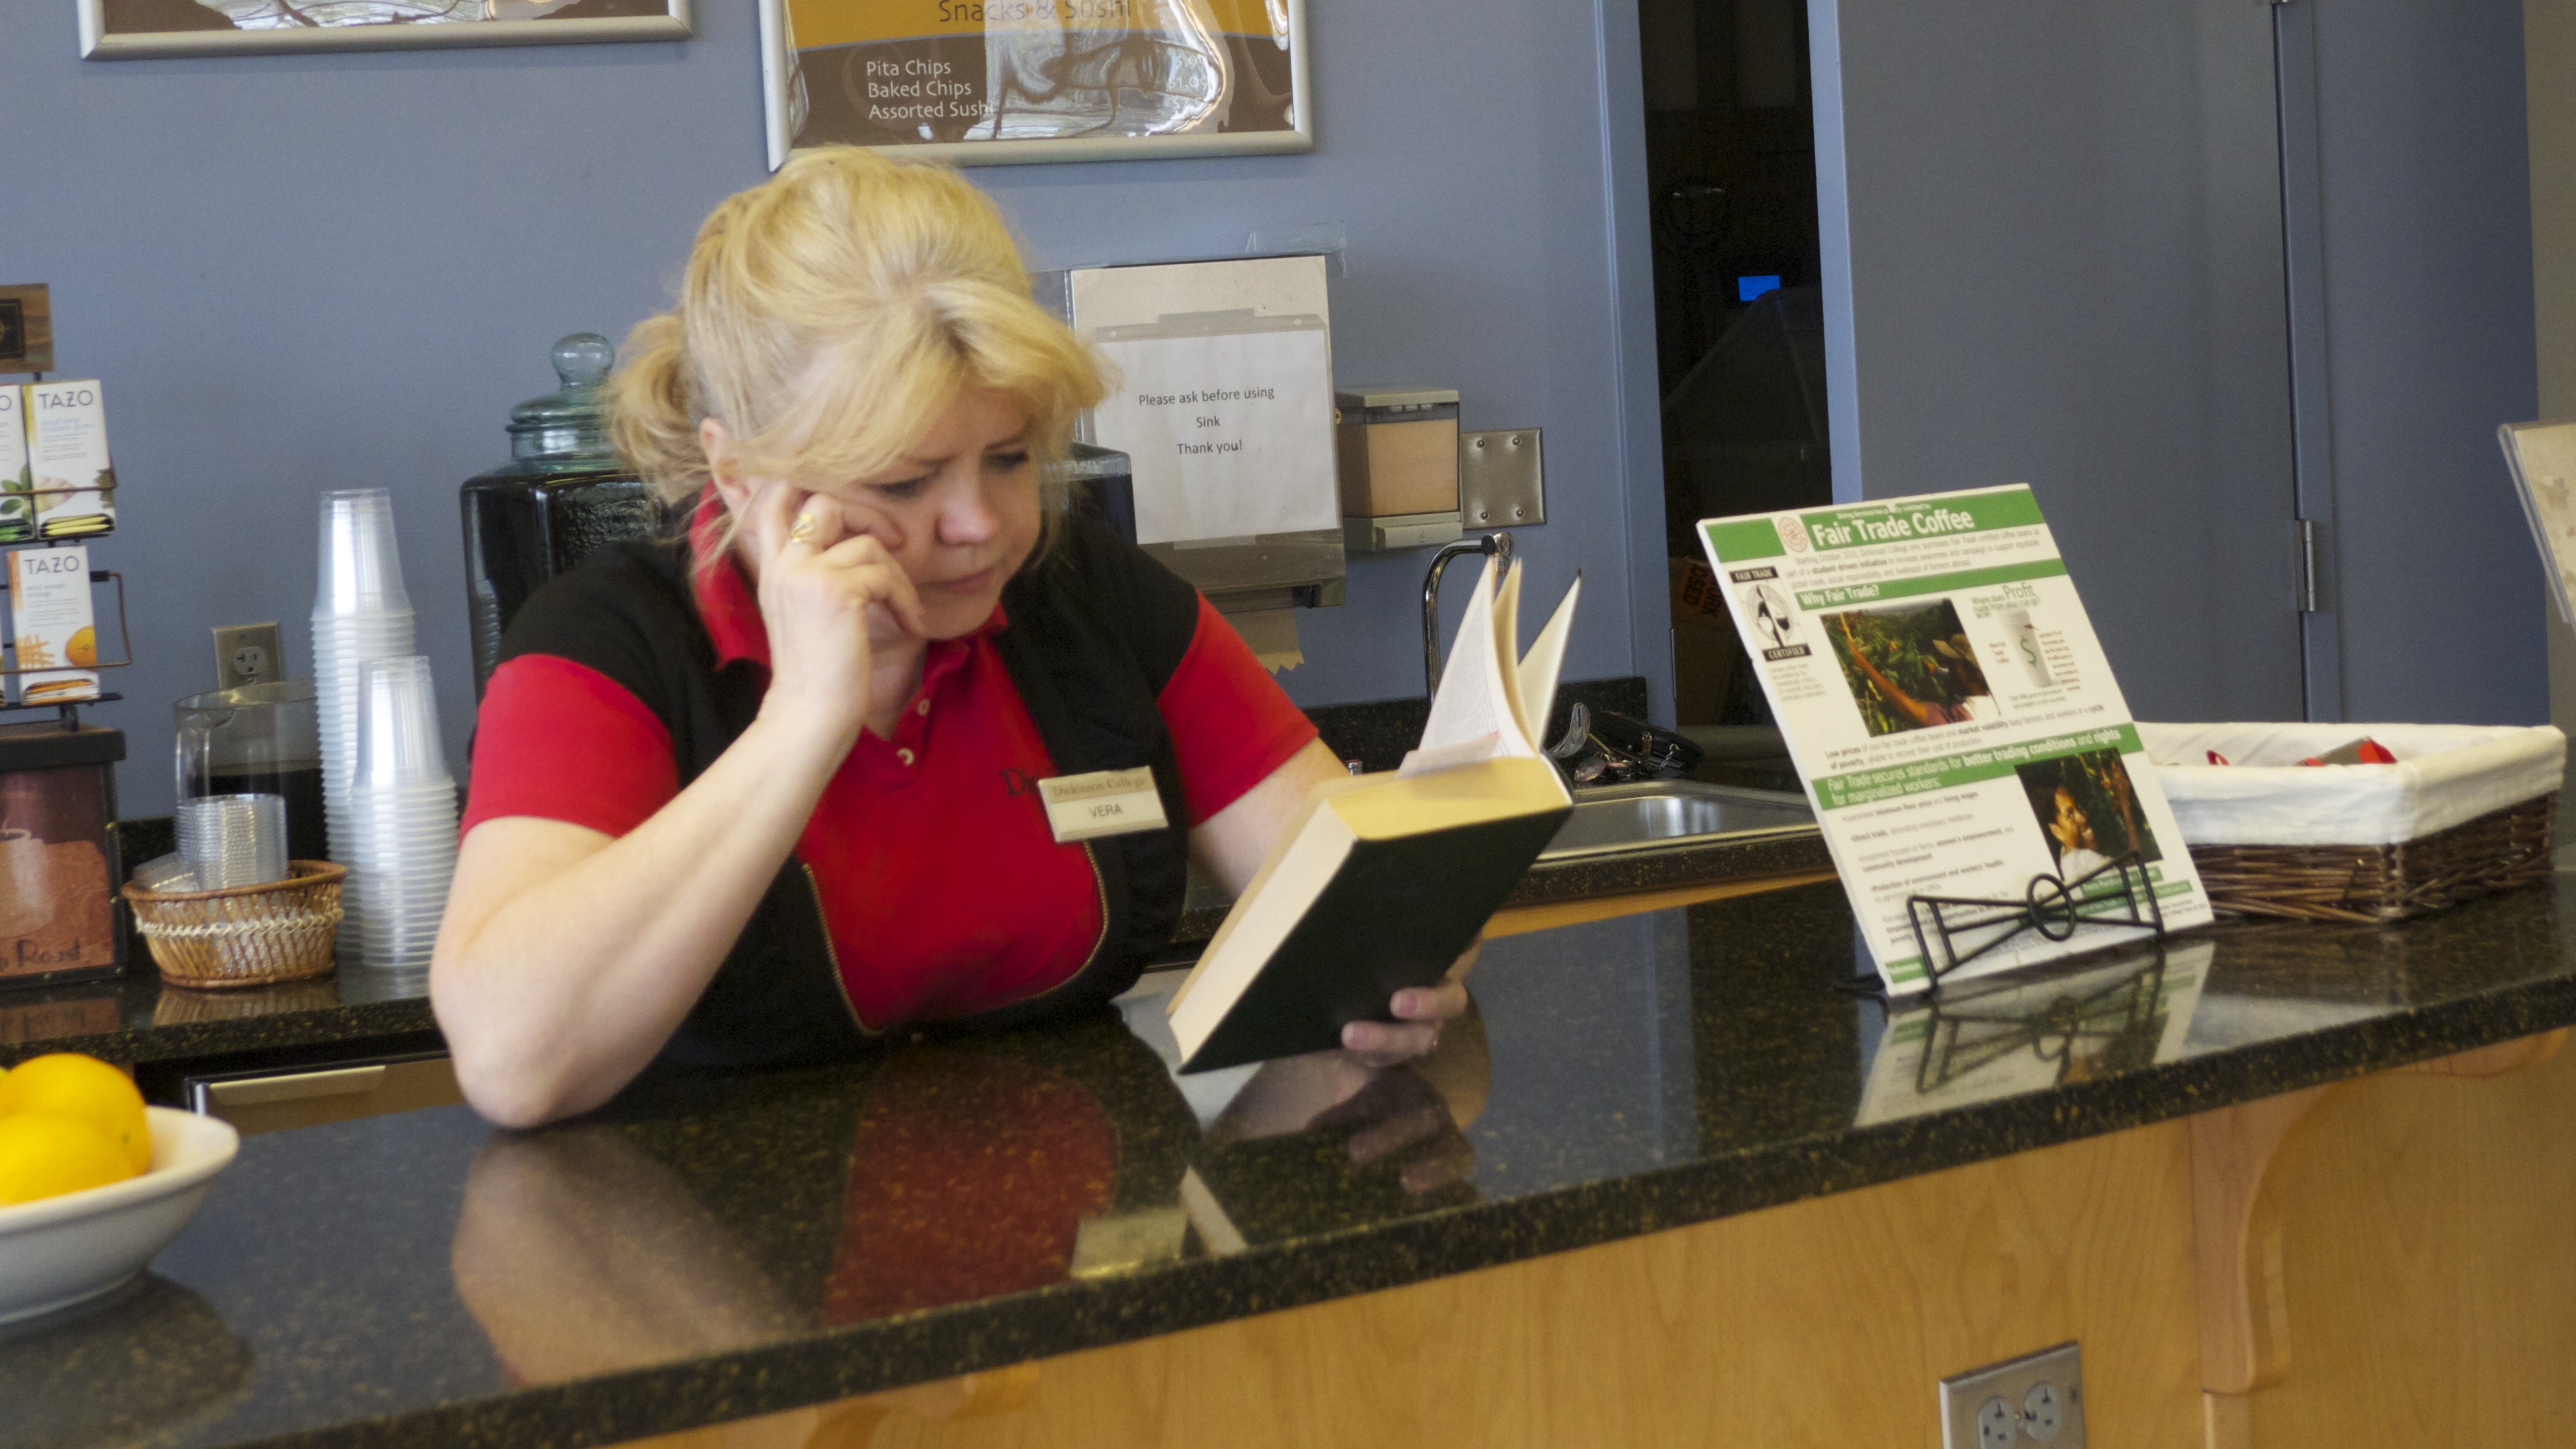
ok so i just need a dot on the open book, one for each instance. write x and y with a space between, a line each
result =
1380 881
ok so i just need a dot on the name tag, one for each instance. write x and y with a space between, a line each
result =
1105 802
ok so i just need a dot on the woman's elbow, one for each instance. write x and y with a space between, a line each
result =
512 1092
502 1076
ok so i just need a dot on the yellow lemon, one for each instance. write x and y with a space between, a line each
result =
42 1155
67 1084
82 652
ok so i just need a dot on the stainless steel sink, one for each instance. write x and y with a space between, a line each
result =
1663 814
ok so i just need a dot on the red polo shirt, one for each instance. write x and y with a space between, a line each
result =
944 891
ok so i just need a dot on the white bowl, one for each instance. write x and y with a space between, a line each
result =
57 1251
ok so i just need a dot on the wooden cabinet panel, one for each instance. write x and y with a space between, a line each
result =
2429 1266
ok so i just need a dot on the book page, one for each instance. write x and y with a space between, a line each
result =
1507 648
1473 714
1953 718
1462 708
1545 659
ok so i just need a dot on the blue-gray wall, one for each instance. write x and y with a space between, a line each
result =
313 272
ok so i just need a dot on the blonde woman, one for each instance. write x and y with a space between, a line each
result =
763 795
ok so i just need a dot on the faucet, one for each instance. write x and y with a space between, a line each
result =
1497 544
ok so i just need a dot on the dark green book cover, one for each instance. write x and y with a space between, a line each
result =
1396 914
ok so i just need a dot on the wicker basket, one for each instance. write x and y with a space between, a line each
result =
246 935
2496 851
2468 810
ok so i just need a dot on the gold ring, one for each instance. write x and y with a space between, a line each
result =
804 528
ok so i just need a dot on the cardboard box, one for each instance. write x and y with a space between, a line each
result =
1707 654
58 860
1695 594
57 636
67 445
17 480
1396 450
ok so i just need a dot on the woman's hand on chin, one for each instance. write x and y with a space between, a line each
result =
834 601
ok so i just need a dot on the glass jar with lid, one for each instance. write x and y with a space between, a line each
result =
563 495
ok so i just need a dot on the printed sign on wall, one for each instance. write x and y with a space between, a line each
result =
990 81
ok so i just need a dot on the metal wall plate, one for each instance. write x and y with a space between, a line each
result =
1501 482
2017 1404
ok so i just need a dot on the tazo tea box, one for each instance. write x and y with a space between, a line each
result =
17 480
67 444
56 636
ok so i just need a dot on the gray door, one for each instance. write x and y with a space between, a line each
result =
2053 254
2408 183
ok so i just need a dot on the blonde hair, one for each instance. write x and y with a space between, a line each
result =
829 315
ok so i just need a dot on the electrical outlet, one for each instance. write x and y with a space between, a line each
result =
2035 1399
2043 1411
1996 1422
248 654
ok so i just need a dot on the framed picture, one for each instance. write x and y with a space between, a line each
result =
133 29
989 82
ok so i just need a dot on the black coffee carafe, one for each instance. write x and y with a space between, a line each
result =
563 495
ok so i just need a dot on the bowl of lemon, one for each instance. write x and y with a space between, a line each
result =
92 1181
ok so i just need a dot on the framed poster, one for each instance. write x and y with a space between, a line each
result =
134 29
989 82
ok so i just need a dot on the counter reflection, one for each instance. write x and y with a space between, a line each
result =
696 1217
1991 1039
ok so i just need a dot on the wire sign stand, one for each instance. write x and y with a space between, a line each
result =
2051 905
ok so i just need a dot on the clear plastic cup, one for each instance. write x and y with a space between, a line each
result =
233 840
361 572
165 873
400 838
342 649
398 740
401 866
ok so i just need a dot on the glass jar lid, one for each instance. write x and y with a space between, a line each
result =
568 428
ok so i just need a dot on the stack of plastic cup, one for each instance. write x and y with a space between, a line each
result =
233 840
402 819
360 613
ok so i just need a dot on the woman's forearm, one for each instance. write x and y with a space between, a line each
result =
565 963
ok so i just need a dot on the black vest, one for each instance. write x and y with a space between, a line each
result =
1095 630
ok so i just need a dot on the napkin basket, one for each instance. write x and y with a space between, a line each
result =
2466 810
244 935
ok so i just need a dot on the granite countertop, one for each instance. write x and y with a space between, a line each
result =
714 1247
138 1021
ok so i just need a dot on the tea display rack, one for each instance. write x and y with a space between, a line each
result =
66 711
